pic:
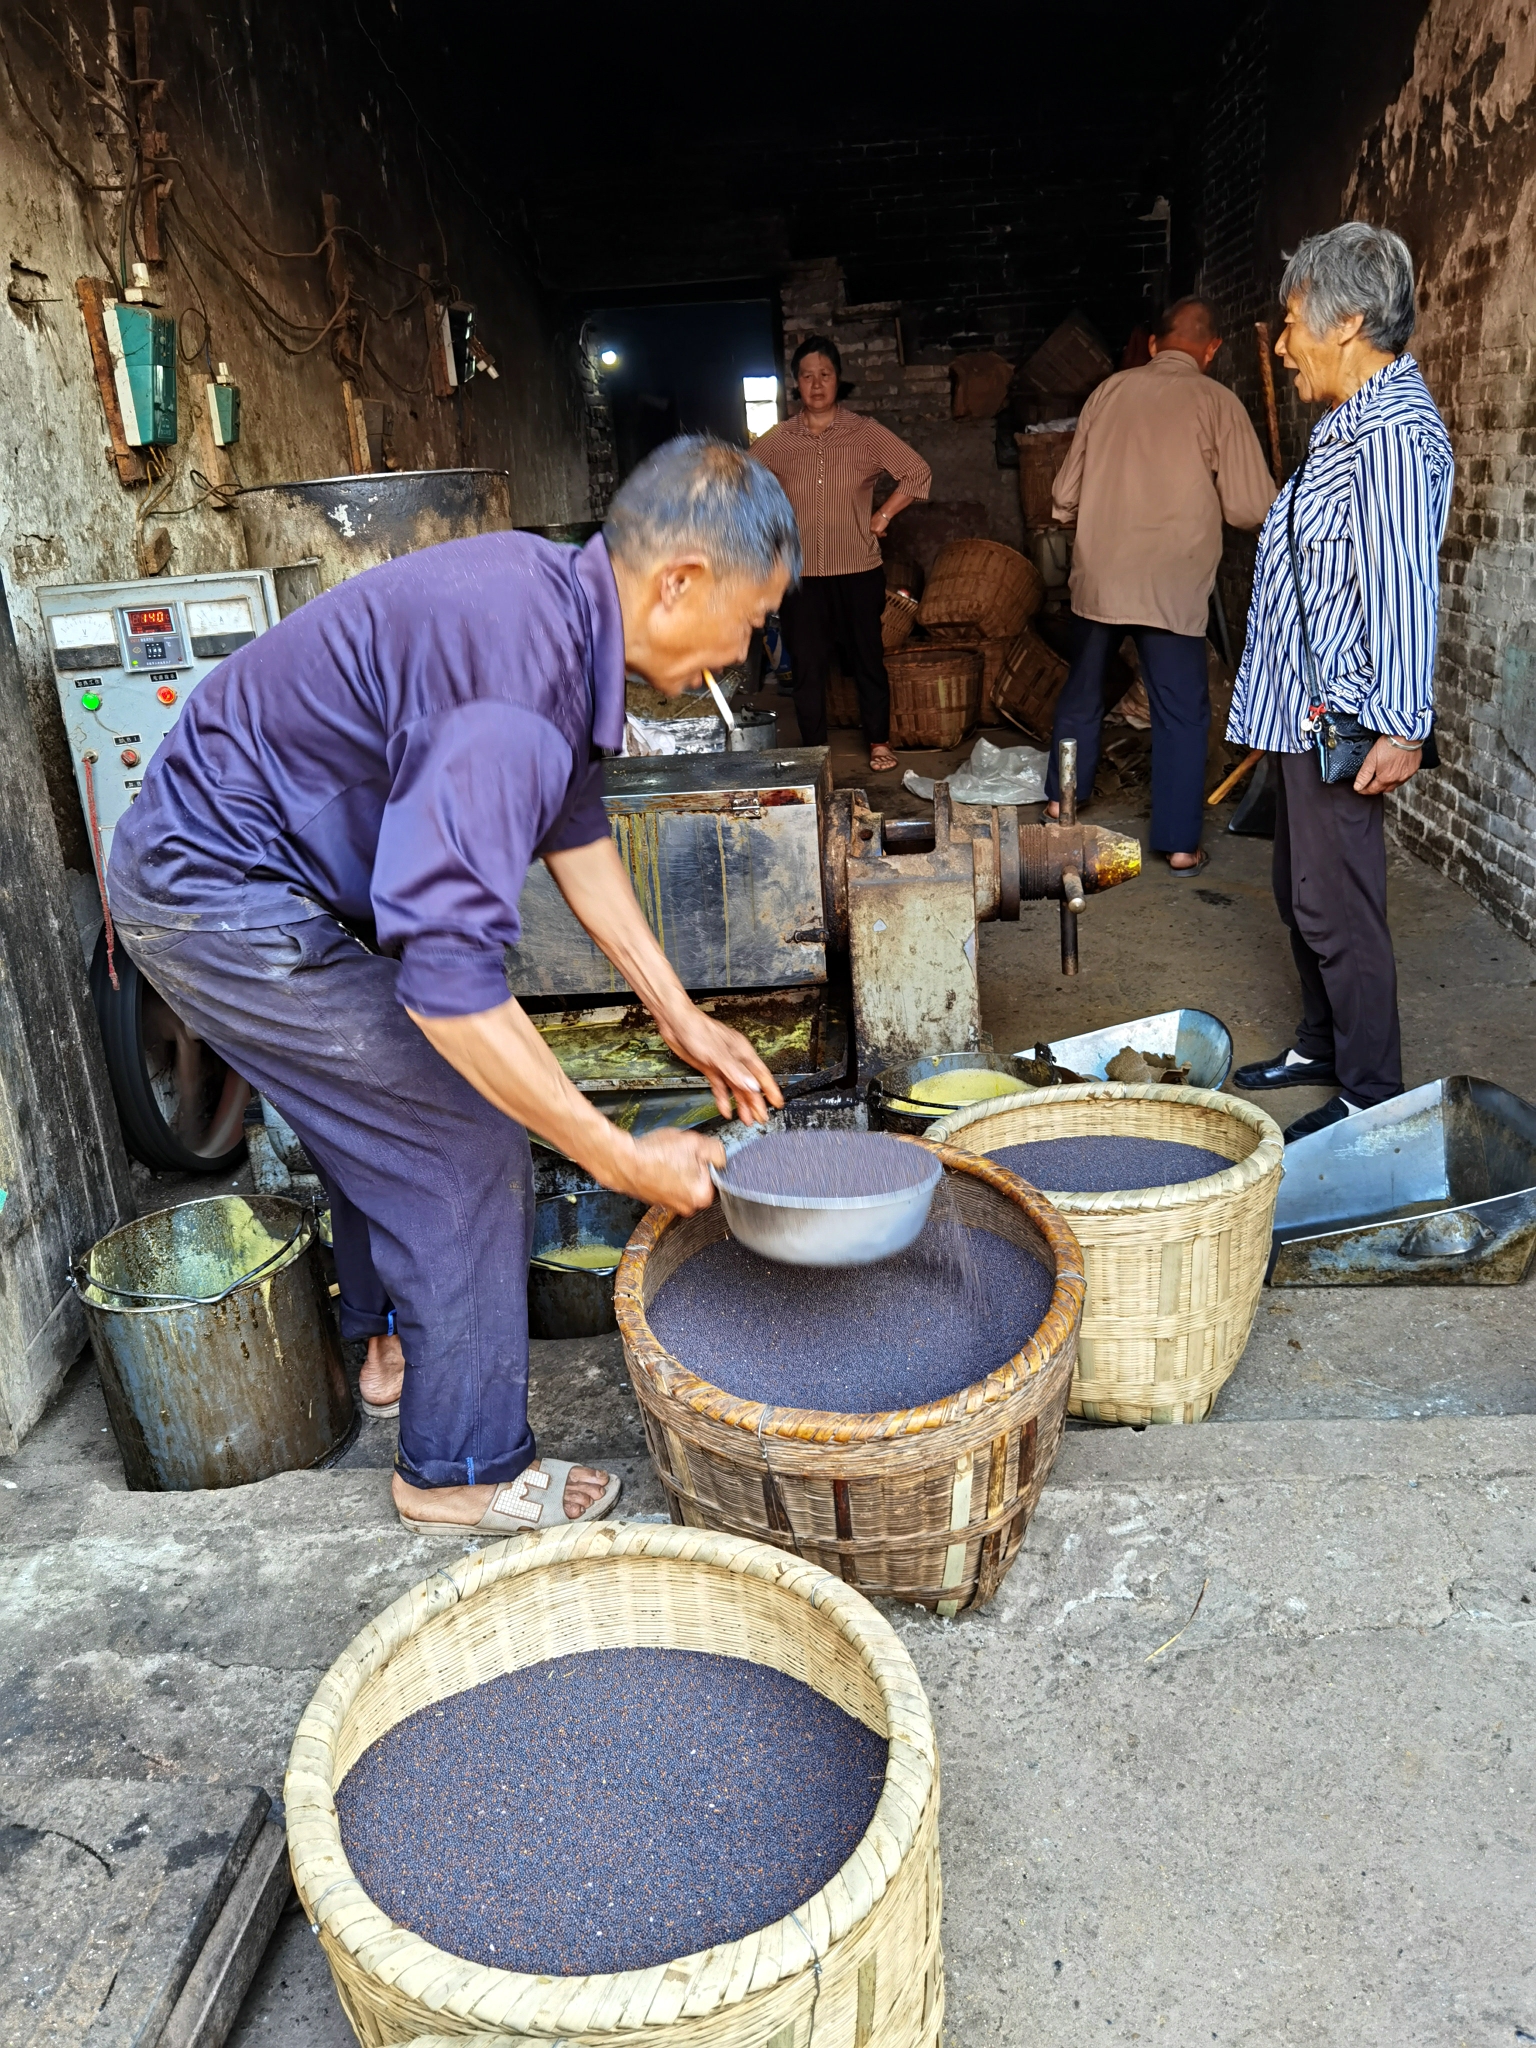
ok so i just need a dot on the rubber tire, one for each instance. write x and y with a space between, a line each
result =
147 1135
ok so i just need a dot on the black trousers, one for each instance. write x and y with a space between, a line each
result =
840 615
1331 889
1179 698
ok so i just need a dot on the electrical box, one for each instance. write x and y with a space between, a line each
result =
457 334
224 413
142 344
126 656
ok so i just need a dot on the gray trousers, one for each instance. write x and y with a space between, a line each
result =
1331 888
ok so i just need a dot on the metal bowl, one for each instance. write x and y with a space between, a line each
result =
1193 1035
828 1230
577 1301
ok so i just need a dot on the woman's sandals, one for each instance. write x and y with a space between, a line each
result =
533 1500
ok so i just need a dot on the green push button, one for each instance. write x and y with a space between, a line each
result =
90 701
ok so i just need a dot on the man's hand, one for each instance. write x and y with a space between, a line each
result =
671 1168
725 1059
1387 767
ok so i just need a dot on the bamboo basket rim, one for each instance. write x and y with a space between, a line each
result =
1265 1158
679 1382
712 1979
927 652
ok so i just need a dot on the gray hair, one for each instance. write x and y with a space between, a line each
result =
696 492
1355 268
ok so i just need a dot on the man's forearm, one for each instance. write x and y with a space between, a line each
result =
595 883
501 1055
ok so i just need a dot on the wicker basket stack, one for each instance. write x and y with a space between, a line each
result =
1174 1273
980 590
927 1505
860 1961
935 694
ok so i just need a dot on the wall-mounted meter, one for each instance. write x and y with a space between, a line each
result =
125 658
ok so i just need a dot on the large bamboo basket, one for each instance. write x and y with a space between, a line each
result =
927 1505
873 1931
1027 685
983 585
1174 1273
935 695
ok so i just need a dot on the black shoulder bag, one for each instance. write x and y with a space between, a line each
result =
1343 743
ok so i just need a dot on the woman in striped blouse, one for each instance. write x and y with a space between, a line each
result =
828 460
1366 511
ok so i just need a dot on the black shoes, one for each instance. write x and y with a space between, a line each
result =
1274 1073
1333 1111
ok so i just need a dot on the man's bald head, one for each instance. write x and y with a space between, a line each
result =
1189 326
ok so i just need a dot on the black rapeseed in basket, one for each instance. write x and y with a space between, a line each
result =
1102 1165
610 1810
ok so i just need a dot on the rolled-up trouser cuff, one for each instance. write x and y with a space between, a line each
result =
469 1472
360 1323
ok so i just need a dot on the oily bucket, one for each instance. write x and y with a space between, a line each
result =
218 1357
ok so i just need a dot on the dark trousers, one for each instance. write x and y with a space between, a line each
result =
430 1187
1173 666
830 615
1331 889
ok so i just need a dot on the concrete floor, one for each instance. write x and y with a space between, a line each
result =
1309 1819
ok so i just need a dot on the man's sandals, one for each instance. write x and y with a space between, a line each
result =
533 1500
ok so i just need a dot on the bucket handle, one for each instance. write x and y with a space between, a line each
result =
80 1279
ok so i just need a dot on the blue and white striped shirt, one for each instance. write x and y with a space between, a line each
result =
1370 517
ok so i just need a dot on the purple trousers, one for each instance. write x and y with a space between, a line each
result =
431 1188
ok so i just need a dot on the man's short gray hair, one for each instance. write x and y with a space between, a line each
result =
1355 269
696 493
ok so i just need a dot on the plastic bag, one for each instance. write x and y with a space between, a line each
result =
993 775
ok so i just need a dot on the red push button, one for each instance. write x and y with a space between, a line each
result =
129 757
166 694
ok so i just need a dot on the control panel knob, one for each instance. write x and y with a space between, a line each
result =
166 694
90 701
129 757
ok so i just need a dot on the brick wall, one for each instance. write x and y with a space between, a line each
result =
1452 165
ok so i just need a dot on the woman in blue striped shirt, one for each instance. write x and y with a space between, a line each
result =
1348 558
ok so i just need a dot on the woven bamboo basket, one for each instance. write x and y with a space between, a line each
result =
897 620
980 583
1040 458
873 1931
927 1505
935 695
1031 678
1174 1273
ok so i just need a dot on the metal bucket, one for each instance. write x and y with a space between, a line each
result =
343 524
218 1358
577 1301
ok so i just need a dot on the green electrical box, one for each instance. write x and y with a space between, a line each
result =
224 413
143 348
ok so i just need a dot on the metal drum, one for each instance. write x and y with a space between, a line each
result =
336 526
218 1357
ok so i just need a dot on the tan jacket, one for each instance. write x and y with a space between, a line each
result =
1162 455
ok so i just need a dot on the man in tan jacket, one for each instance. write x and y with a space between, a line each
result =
1162 455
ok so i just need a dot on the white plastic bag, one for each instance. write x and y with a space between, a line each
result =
993 775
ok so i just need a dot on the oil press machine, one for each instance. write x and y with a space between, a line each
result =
840 940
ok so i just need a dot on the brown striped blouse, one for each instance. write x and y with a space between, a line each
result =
829 478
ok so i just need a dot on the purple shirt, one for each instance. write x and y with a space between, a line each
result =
397 752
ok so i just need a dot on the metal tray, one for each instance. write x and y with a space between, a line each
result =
1193 1035
1436 1188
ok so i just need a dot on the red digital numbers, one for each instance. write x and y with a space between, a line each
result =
157 620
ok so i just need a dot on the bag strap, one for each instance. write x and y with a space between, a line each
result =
1317 700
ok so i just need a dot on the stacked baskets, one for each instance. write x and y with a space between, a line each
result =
859 1961
927 1505
1174 1273
935 694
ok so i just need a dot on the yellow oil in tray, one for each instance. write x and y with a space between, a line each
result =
963 1085
590 1258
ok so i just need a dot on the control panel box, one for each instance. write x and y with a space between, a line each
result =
126 656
